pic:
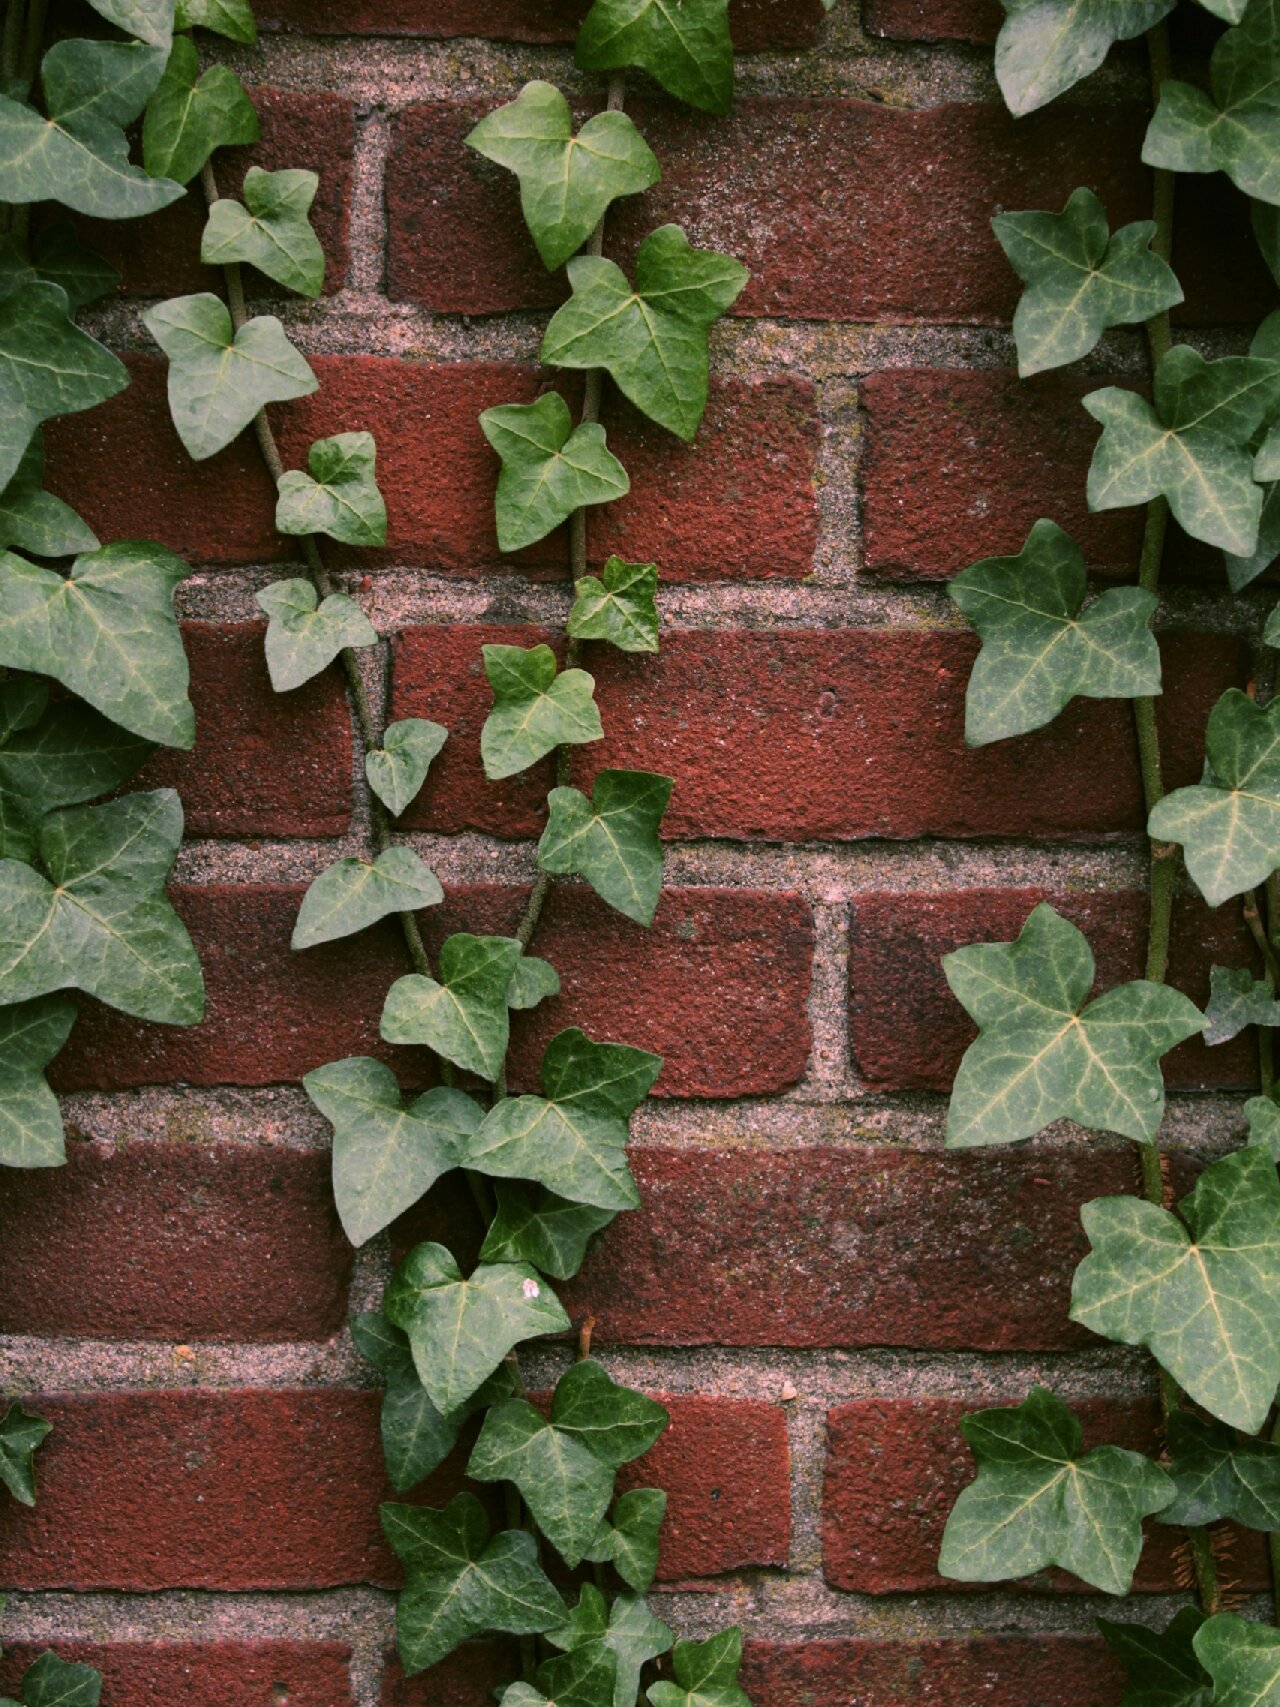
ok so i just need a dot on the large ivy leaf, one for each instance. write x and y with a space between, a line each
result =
56 254
231 18
269 230
626 1631
1040 646
653 339
461 1329
20 1435
397 770
685 47
1081 279
1199 1289
35 520
534 1225
706 1674
1161 1664
61 756
1045 46
306 633
354 894
566 181
1218 1475
339 496
1192 447
218 378
51 1682
48 366
1243 1659
611 839
460 1583
1229 824
1042 1054
464 1016
550 468
1039 1499
629 1539
101 921
535 710
31 1034
190 115
620 607
1237 999
150 21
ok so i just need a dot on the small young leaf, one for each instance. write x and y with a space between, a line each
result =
565 1486
615 1422
218 380
270 230
1042 1055
1264 1125
1161 1664
398 769
534 709
1198 1288
463 1017
305 633
587 1677
566 182
653 339
706 1674
550 468
1045 46
230 18
621 607
190 115
629 1540
1243 1660
33 519
52 1682
535 1225
1218 1475
627 1631
461 1329
1040 1500
48 366
20 1435
339 497
352 895
686 48
1040 647
533 981
611 839
1237 999
31 1034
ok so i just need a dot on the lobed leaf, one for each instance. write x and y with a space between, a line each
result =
621 607
231 18
596 1634
150 21
51 1682
1162 1666
1243 1660
550 468
706 1674
1046 46
31 1034
1218 1475
533 981
464 1016
1237 999
535 710
684 47
270 230
1264 1125
56 255
611 839
48 366
190 115
535 1225
397 770
305 633
340 495
20 1435
353 894
629 1540
35 520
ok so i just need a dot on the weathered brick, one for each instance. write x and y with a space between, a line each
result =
474 1675
932 20
215 1673
185 1240
754 24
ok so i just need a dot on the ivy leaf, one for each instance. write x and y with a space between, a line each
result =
1243 1659
218 380
706 1674
67 756
534 709
652 340
550 468
686 48
1040 646
587 1677
460 1583
615 1422
1197 1288
231 18
1045 46
398 769
1264 1125
535 1225
1162 1665
1237 999
626 1631
565 1486
48 366
33 519
1042 1054
52 1682
60 257
1040 1500
1229 824
611 839
150 21
533 981
464 1016
190 115
1192 447
339 497
461 1329
1081 279
629 1541
1218 1476
270 230
31 1034
352 895
305 633
20 1435
621 607
566 182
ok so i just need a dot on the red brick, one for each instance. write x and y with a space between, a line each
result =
173 1241
933 20
739 959
473 1675
907 1030
213 1673
796 735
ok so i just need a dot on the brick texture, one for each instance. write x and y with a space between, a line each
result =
214 1673
754 24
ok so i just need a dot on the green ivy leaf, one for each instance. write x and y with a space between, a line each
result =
1191 448
1081 279
629 1540
533 981
611 839
218 380
686 48
1229 824
706 1674
305 633
550 468
587 1677
33 519
1040 647
107 632
1040 1500
48 366
352 895
1162 1665
534 709
534 1225
149 20
616 1423
231 18
652 340
66 756
626 1630
566 182
1237 999
621 607
1243 1660
103 924
339 497
1045 46
190 115
1264 1125
52 1682
464 1016
1219 1476
1198 1288
270 230
566 1488
60 257
1042 1055
398 769
461 1329
460 1583
20 1435
31 1034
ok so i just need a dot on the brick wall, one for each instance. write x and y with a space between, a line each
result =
819 1289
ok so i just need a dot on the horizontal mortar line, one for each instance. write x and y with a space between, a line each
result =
199 1615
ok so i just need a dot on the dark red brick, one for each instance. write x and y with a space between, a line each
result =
474 1675
215 1673
933 20
173 1241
